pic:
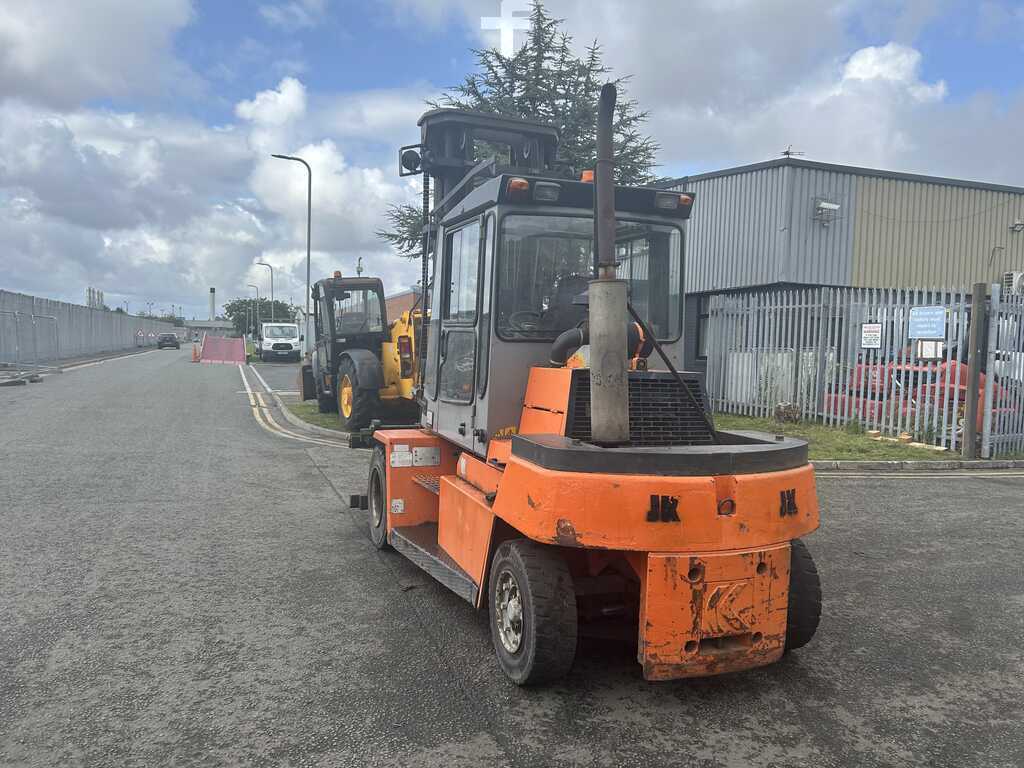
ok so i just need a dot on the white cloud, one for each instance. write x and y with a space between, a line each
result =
295 14
894 63
155 208
64 53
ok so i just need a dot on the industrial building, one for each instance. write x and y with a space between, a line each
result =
792 222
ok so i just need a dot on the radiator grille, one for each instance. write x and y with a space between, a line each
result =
660 413
280 346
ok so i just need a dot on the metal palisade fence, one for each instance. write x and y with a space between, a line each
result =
891 360
1003 429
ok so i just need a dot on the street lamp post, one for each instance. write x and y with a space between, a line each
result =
256 310
264 264
309 214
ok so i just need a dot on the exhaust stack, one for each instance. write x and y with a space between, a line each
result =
608 317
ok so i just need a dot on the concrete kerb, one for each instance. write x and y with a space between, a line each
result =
916 466
339 435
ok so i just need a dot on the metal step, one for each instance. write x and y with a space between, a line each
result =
419 544
431 482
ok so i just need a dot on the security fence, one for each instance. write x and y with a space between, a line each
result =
36 331
891 360
1003 430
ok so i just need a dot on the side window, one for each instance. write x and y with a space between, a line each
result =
457 375
463 275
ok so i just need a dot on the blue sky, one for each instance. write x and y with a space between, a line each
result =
135 137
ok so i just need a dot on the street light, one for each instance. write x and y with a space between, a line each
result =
264 264
309 214
256 311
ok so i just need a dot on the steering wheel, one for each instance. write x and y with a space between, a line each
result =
524 320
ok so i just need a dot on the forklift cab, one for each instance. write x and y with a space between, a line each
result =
349 317
514 260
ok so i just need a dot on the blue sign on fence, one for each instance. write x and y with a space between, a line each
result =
927 323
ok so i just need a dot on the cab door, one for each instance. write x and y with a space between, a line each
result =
458 303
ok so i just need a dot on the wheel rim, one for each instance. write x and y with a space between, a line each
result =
376 500
508 611
345 396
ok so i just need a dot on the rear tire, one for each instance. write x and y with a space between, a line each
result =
804 611
377 499
532 606
356 407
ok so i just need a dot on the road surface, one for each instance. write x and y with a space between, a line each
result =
180 585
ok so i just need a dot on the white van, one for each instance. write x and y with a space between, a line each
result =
280 341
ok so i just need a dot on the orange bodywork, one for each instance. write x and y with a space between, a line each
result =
713 576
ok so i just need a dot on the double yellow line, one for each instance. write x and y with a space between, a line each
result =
265 418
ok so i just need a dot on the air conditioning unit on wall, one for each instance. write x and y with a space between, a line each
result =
1013 283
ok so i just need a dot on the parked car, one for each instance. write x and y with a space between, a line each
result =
168 340
279 340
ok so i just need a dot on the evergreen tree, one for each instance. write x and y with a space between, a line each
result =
546 82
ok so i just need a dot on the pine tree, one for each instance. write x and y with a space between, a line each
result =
544 81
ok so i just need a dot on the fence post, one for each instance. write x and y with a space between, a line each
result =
978 300
825 310
990 368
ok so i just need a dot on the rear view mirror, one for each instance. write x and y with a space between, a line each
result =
301 337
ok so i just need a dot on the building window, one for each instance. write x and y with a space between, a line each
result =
703 317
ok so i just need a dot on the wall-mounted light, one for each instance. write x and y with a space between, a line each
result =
825 211
1017 226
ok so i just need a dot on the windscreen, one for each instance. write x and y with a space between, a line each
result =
280 332
547 261
357 311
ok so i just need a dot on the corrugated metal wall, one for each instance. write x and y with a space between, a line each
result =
820 252
919 233
736 236
758 227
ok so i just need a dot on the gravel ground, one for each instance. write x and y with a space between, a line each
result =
179 587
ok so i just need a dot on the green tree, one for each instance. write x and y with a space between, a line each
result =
239 311
545 81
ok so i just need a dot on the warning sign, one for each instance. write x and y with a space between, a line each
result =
871 336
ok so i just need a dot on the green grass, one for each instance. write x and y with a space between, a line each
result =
309 412
835 443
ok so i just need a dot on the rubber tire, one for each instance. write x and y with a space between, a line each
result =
548 646
365 402
804 611
324 403
376 491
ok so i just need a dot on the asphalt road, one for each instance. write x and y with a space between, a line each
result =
180 587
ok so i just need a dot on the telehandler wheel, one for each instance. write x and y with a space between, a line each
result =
377 499
804 610
356 406
532 612
324 403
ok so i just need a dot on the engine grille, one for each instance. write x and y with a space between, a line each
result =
660 413
282 346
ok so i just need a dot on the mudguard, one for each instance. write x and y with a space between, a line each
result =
369 372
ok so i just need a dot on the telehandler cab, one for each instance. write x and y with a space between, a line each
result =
563 477
362 366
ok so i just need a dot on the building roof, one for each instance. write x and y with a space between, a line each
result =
851 169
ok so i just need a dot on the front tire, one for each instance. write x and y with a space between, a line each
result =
532 607
356 406
804 611
377 499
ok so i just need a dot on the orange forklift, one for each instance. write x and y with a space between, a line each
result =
566 475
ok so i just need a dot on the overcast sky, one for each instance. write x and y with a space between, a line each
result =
135 136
